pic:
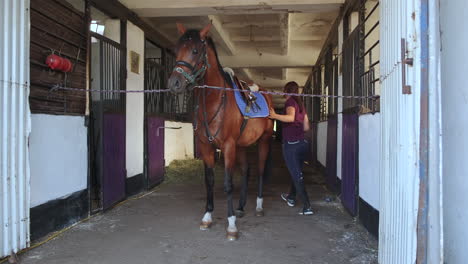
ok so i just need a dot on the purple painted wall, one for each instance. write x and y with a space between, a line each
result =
155 150
113 178
331 176
350 155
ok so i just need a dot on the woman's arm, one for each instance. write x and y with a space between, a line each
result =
287 118
306 123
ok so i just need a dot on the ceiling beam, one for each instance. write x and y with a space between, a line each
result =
285 38
220 35
284 73
247 73
247 38
249 60
116 9
170 8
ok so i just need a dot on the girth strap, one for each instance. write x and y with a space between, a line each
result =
243 125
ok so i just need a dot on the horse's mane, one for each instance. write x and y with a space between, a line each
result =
194 35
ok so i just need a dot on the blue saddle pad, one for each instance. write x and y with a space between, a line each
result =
260 109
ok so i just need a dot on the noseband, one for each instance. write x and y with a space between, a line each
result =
195 74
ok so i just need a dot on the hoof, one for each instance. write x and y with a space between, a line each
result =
240 213
205 225
232 236
259 213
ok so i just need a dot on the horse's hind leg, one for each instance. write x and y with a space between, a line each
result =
208 158
245 172
263 149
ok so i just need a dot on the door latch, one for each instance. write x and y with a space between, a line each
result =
406 89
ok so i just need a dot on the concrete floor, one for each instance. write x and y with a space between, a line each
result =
163 227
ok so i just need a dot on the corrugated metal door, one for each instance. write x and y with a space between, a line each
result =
349 166
400 108
14 126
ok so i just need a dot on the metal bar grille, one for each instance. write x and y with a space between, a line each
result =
370 59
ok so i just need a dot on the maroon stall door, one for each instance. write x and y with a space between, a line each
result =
331 153
113 176
349 184
155 147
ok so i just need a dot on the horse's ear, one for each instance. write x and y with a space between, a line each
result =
181 28
205 30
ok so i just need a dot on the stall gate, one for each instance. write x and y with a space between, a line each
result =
331 176
349 154
109 125
154 132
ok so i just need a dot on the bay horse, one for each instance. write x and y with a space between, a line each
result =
218 122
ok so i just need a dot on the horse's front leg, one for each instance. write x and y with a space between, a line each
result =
229 150
245 172
209 183
208 159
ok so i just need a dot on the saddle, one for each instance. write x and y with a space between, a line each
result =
248 90
250 102
248 95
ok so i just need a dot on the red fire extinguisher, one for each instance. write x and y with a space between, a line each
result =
56 62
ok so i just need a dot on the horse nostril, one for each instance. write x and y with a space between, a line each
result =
177 83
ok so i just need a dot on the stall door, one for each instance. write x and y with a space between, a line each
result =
155 77
349 154
349 159
155 151
331 153
113 178
402 238
108 123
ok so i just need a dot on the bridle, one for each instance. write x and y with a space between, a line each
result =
197 73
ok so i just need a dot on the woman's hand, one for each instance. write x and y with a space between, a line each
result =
272 113
287 118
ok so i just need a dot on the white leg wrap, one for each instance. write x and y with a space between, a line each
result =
207 217
232 224
259 203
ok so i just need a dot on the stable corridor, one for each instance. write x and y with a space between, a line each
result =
163 227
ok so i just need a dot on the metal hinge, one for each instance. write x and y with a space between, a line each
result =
406 89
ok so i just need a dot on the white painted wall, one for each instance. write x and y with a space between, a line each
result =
58 157
135 103
339 141
369 159
178 143
454 68
322 143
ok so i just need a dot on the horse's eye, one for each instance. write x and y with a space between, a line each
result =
195 51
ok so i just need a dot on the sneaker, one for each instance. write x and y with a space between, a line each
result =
290 202
307 211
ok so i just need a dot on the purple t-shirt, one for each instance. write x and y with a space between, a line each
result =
294 131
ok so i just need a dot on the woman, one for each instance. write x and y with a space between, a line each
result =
295 146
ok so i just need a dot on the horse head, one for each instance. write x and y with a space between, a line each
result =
191 59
